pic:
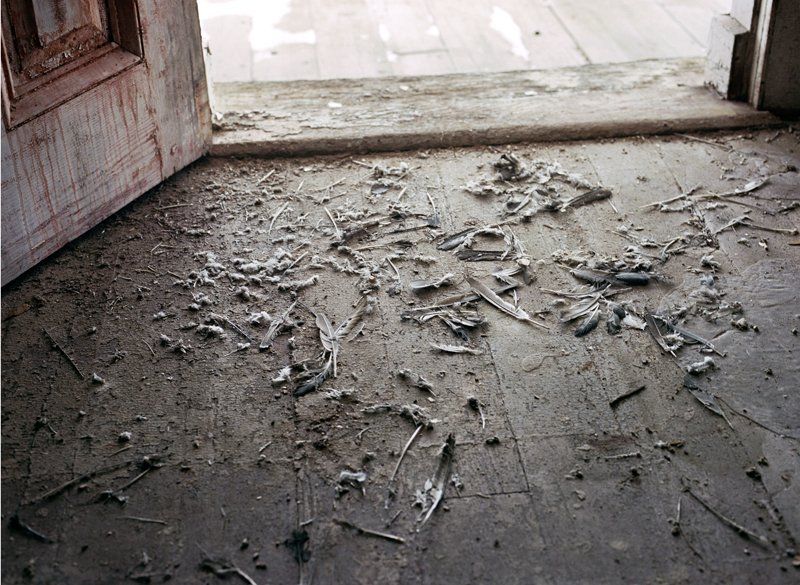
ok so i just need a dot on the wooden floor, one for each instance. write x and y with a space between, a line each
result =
284 40
564 483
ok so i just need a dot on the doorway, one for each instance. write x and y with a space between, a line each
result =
304 40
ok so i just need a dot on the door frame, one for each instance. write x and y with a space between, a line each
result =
754 54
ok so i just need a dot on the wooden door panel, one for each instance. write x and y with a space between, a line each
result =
48 41
41 35
56 18
125 122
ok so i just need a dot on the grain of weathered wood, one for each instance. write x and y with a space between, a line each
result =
423 112
694 17
610 31
348 44
73 166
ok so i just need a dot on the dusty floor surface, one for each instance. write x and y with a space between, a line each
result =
565 484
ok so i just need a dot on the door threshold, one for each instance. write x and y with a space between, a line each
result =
402 113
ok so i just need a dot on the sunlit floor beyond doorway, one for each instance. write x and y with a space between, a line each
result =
284 40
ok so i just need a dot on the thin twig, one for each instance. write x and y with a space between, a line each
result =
431 202
741 530
368 532
135 479
174 206
745 221
148 347
331 186
146 520
275 218
766 228
755 422
395 517
683 195
294 263
48 495
623 456
403 452
615 401
64 353
709 142
121 450
265 177
333 221
360 434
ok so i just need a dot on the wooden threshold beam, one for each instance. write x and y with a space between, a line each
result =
386 114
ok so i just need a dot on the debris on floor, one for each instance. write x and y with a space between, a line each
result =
548 313
432 493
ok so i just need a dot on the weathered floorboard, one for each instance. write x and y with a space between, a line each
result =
650 97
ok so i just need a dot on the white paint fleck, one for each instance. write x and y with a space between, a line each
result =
265 32
391 56
433 31
503 23
383 33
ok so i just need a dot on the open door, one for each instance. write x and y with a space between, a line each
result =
102 100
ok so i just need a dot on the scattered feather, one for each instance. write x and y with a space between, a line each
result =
706 399
687 334
416 414
210 330
454 348
421 285
597 194
634 322
331 339
296 285
416 380
707 363
223 568
276 327
368 532
259 319
432 494
589 323
491 297
475 405
348 479
406 447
